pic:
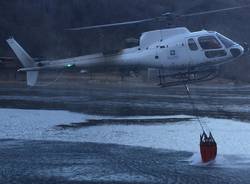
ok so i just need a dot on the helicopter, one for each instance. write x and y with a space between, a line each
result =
189 56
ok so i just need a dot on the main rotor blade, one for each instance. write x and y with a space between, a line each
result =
111 25
163 16
214 11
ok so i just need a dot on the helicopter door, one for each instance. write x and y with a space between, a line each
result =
174 55
195 53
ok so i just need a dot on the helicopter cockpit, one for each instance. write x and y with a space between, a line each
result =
235 49
215 45
212 47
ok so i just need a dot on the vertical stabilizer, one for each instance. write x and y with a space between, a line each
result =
21 54
26 60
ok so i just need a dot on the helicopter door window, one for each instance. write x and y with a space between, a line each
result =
192 45
209 42
215 53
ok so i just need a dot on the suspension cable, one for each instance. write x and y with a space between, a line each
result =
195 111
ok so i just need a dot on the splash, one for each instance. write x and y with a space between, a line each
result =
221 161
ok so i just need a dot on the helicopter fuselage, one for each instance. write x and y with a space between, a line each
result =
172 49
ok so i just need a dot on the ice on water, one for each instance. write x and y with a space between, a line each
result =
232 136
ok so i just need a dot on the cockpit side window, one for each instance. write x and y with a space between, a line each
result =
192 45
226 41
209 42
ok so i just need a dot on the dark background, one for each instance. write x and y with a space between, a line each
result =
39 25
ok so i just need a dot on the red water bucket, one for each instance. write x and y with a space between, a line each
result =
208 152
208 148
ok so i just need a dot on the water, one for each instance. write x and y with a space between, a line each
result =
34 148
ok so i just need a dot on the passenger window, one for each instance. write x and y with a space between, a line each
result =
209 42
215 53
192 45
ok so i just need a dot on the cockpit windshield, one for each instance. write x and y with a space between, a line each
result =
209 42
226 41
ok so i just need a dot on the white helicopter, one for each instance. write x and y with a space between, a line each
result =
178 50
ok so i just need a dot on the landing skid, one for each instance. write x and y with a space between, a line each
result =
188 78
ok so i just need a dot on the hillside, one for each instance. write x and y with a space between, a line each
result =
39 25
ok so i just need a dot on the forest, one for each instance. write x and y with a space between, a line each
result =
40 25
